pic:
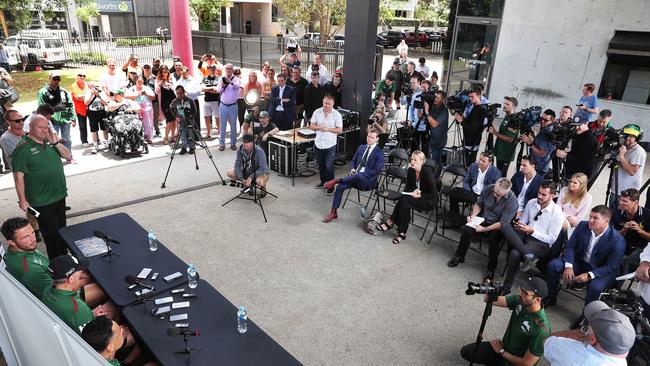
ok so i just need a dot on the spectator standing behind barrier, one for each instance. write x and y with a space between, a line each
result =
143 95
507 137
314 93
472 121
299 84
582 155
282 108
209 60
398 79
539 146
61 102
437 116
587 108
606 341
96 100
523 341
229 88
631 160
40 181
111 80
335 89
292 59
498 206
317 65
150 81
78 91
177 73
328 123
593 256
165 92
211 100
131 65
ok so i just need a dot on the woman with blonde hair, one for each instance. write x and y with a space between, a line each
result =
575 201
420 193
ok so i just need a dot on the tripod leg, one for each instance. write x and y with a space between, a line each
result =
171 158
201 142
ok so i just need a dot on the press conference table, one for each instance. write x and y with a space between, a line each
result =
216 319
210 313
133 255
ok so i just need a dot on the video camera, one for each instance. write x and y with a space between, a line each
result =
614 139
490 110
456 103
426 97
493 290
525 119
561 135
225 81
292 45
628 303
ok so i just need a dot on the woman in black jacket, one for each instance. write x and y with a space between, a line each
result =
420 193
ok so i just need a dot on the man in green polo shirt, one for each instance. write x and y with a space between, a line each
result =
506 144
29 266
104 336
523 341
387 86
40 181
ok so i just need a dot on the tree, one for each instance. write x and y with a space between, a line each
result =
207 11
328 14
21 10
431 10
386 12
87 11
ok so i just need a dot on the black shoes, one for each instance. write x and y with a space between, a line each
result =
489 276
183 151
192 151
320 186
455 260
330 191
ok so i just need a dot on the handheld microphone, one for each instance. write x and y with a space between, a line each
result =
132 280
173 332
107 238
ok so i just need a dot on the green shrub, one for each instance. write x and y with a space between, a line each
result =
141 41
93 58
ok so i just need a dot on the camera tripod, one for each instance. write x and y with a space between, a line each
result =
613 172
193 135
492 296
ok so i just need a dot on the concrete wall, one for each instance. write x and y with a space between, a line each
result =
548 49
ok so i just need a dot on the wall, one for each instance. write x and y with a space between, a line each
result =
548 49
151 15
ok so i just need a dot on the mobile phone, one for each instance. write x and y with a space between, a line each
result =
161 311
144 273
182 325
181 305
33 212
172 277
154 277
164 300
177 317
178 291
189 296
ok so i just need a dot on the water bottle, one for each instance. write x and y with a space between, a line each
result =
153 243
242 320
192 276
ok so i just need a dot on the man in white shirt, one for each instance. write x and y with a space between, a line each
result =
328 123
606 341
111 80
631 160
192 91
322 70
643 275
532 236
422 68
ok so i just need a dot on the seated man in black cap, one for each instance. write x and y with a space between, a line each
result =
250 162
608 339
523 341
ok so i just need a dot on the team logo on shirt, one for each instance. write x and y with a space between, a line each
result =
525 326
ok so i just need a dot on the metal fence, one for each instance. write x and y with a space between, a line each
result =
250 51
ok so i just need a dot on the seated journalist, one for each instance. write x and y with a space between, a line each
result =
245 168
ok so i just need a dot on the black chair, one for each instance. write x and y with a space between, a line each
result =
456 176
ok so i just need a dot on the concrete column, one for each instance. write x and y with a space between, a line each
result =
360 44
179 21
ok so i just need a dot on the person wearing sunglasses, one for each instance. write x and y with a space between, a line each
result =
528 328
11 138
532 235
539 146
64 117
633 222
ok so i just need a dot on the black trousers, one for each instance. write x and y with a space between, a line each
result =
458 194
484 356
470 156
83 128
493 237
503 166
421 142
402 211
521 246
241 110
51 219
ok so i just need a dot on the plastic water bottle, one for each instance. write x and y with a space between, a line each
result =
242 320
153 243
192 276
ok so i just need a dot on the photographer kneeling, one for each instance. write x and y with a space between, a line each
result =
523 341
245 168
184 110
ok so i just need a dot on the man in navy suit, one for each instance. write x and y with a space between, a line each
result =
592 256
479 175
525 183
282 108
367 163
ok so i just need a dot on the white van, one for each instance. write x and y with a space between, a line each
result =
43 51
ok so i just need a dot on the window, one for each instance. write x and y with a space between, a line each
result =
481 8
274 13
400 13
627 74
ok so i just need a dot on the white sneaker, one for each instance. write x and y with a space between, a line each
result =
94 150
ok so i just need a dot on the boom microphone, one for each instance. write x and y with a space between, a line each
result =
107 238
132 280
173 332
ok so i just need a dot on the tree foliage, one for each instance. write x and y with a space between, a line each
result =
329 15
432 10
207 11
386 12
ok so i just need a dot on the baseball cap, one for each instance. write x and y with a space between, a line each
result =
119 91
396 62
632 129
613 330
247 138
264 114
55 74
64 266
514 100
579 120
536 285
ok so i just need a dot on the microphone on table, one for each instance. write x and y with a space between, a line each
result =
173 332
132 280
107 238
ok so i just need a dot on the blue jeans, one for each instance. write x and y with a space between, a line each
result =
325 160
228 114
184 143
64 133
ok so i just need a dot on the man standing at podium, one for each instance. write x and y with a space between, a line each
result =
328 123
367 164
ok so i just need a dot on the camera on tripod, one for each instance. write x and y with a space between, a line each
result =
561 135
614 139
456 103
491 110
525 119
493 290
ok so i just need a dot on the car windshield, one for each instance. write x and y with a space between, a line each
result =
53 43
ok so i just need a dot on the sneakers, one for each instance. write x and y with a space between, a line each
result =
183 151
330 191
85 144
94 150
192 151
320 186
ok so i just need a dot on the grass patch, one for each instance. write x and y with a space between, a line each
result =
93 58
141 41
29 83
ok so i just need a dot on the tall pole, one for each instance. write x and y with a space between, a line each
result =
179 18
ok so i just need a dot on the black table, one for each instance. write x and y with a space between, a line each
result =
216 319
134 254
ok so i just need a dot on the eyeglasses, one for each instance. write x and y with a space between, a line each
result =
56 78
20 120
82 75
525 293
537 215
547 119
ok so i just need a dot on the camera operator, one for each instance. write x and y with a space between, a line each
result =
263 130
398 80
506 144
472 121
210 60
184 110
61 101
633 222
415 119
192 89
437 116
540 146
245 168
229 89
581 157
600 125
606 341
631 160
292 56
379 124
523 341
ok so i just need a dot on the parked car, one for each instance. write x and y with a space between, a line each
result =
433 35
419 40
40 51
390 38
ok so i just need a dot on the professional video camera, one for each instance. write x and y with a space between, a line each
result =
525 119
292 45
613 141
456 103
491 110
493 289
561 135
426 97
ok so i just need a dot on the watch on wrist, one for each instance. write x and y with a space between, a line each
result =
54 144
502 351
